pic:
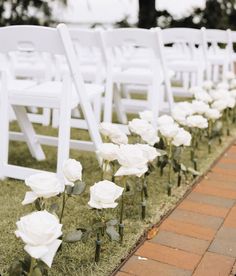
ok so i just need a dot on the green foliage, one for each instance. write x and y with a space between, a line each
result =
30 12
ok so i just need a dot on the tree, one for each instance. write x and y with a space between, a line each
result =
147 14
18 12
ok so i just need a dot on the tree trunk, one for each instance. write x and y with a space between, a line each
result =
147 14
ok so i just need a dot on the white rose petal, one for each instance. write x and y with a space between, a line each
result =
169 131
182 138
132 158
207 85
229 75
197 121
200 107
44 185
108 151
72 170
223 85
104 194
213 114
165 120
203 96
146 115
150 153
113 133
220 105
40 232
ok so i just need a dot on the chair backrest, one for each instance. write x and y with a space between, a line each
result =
182 35
216 36
30 38
127 40
232 36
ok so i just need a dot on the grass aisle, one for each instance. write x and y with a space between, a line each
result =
77 259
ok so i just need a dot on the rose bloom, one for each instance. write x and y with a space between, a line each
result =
186 107
40 232
218 94
229 75
165 120
230 101
200 107
197 121
207 85
223 85
113 133
213 114
203 96
150 153
145 130
108 151
132 161
72 170
220 105
146 115
44 185
233 84
169 131
182 138
179 116
104 194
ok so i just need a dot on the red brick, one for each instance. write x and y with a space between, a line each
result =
188 229
123 274
224 171
168 255
213 265
230 220
215 191
221 177
201 208
137 267
219 184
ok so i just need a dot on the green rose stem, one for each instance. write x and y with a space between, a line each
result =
63 205
179 172
143 201
169 169
209 135
97 248
32 265
121 225
227 113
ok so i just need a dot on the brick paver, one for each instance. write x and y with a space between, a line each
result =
199 237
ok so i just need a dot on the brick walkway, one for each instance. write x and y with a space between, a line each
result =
199 237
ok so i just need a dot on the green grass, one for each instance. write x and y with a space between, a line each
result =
77 259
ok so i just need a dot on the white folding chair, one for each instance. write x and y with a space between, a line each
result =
216 43
63 95
185 55
232 42
134 57
91 60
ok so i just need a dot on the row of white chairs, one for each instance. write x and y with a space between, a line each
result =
74 72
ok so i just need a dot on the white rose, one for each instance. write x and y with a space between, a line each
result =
132 161
233 84
104 194
44 185
186 107
113 133
195 89
203 96
233 93
108 151
218 94
165 120
40 232
229 75
213 114
145 130
72 170
182 138
169 131
197 121
146 115
150 153
220 105
230 102
223 85
179 116
207 85
200 107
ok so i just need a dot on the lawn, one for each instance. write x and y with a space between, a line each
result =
77 259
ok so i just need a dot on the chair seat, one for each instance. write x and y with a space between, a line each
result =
48 94
185 65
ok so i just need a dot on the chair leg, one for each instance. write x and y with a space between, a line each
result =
121 114
4 126
46 116
63 151
55 118
108 101
29 133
